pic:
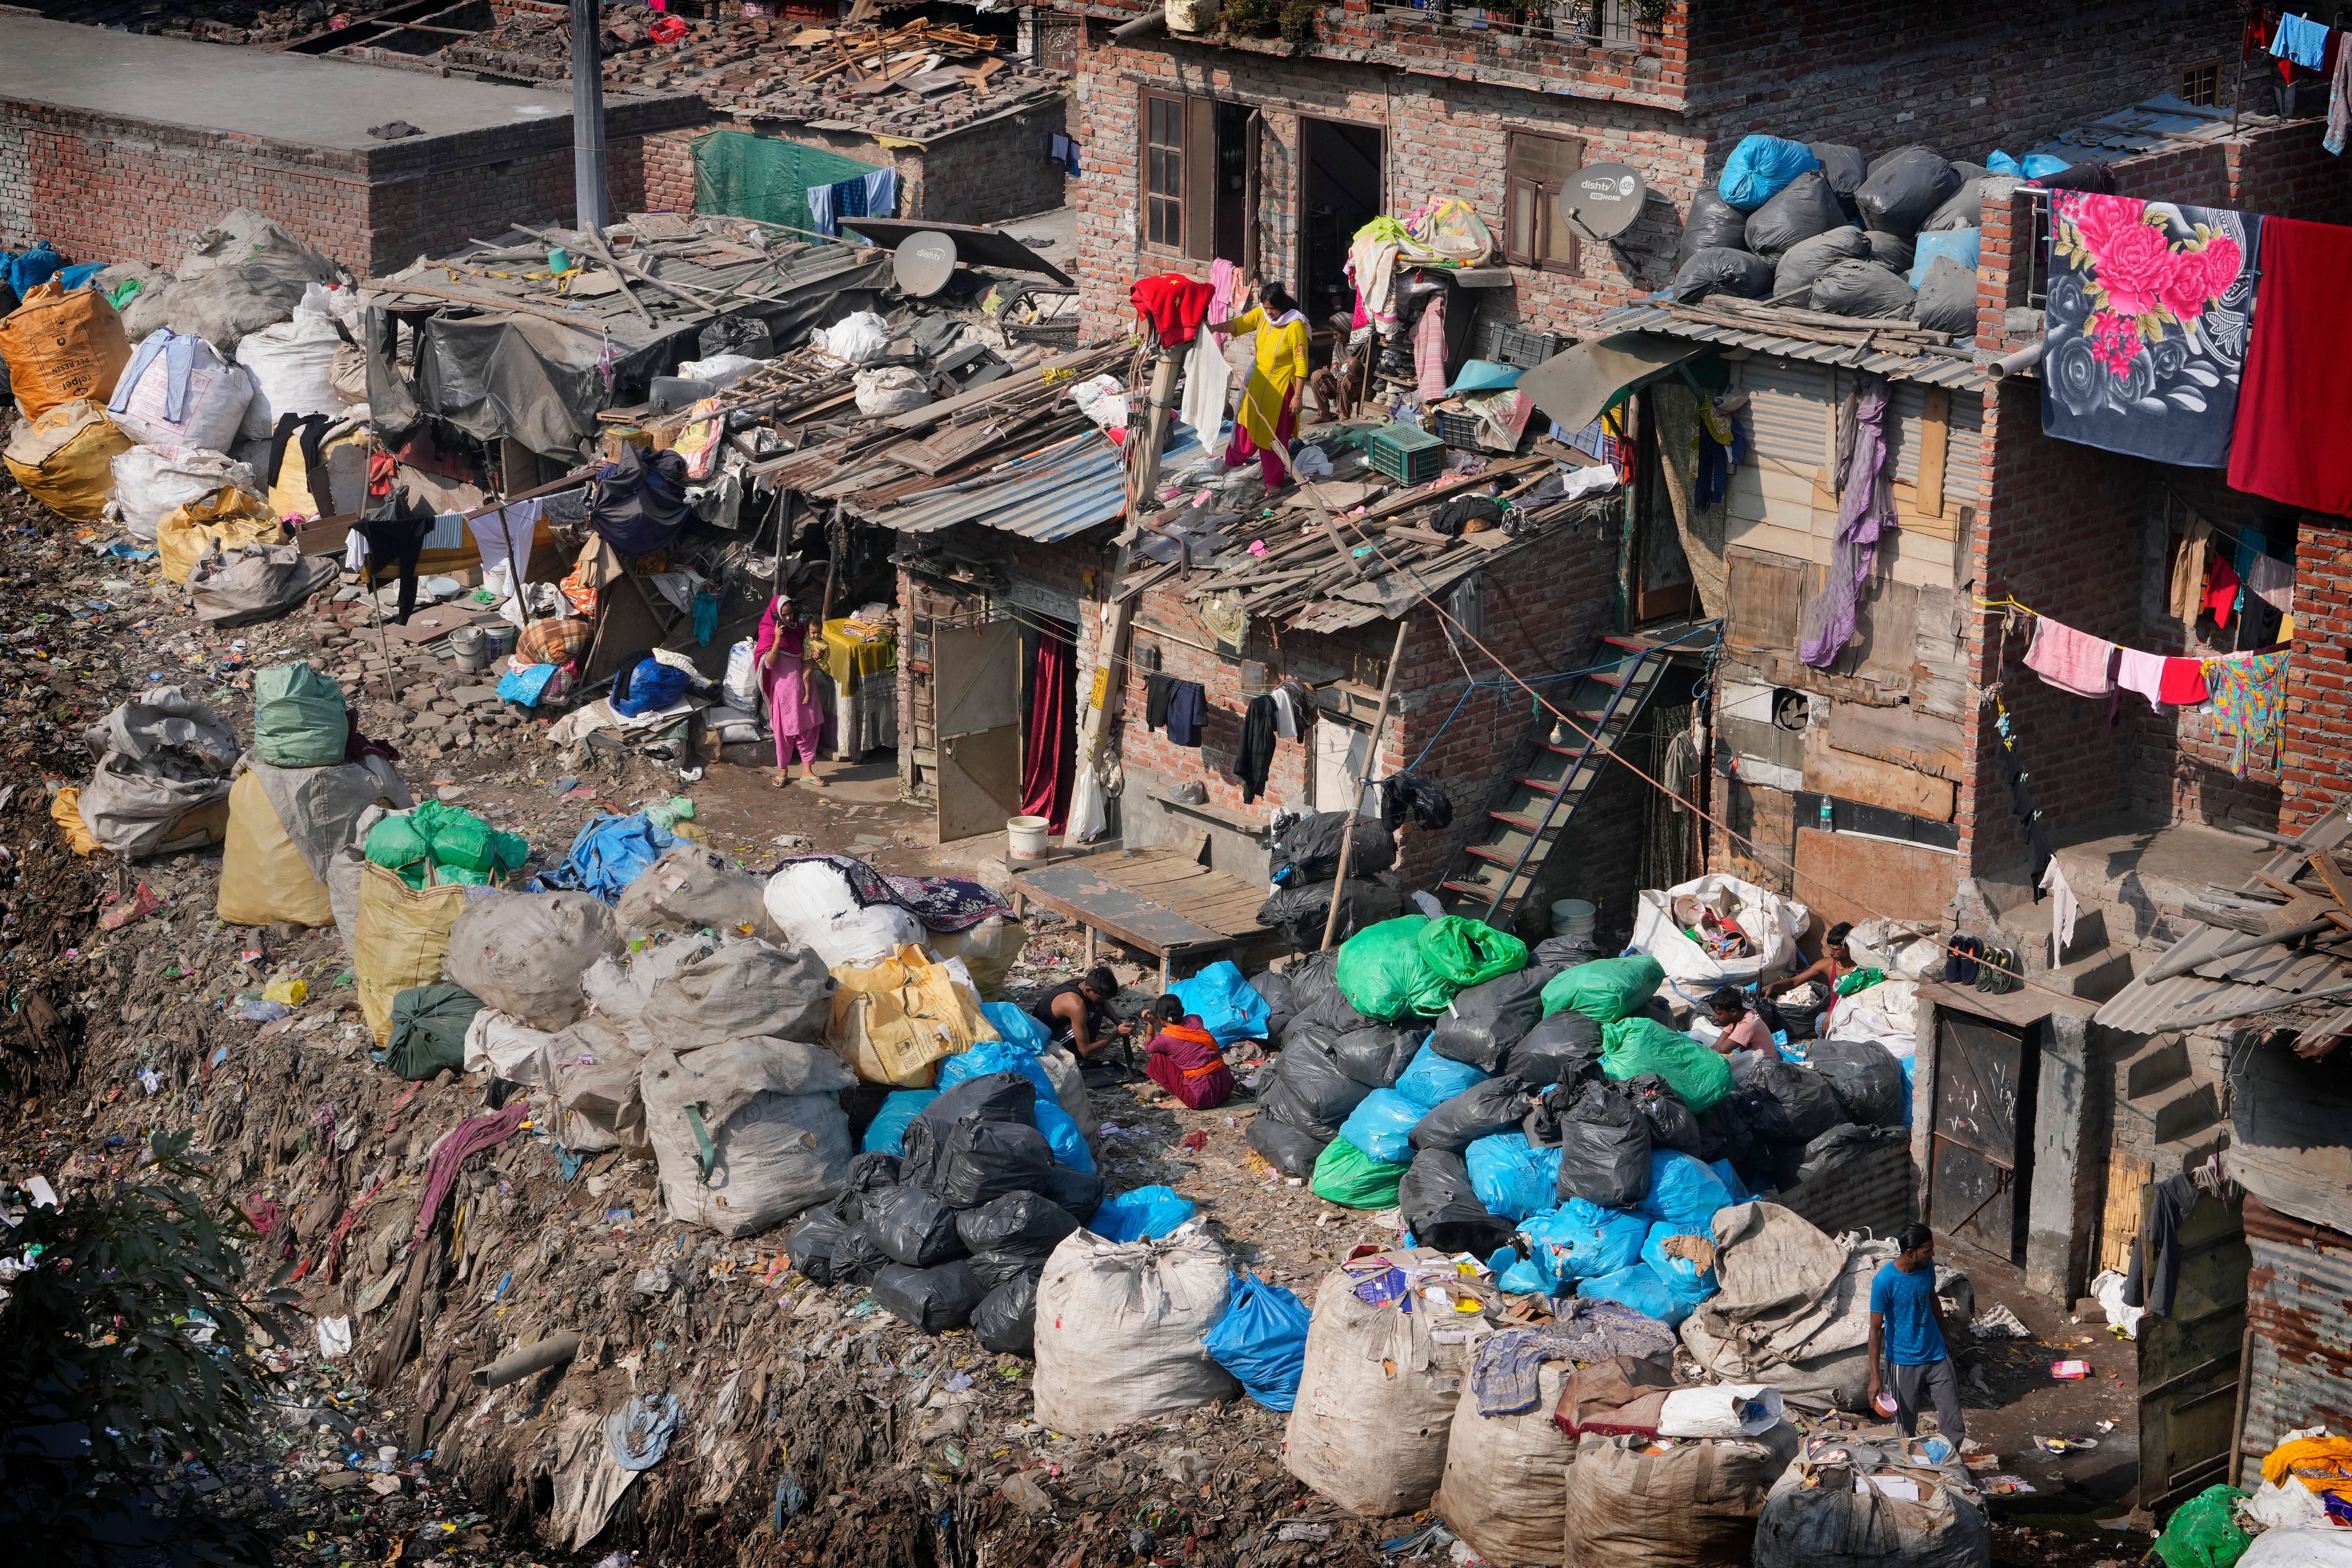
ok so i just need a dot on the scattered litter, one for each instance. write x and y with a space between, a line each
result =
1999 1322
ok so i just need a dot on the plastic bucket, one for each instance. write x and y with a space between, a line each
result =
466 643
1025 837
1573 919
500 640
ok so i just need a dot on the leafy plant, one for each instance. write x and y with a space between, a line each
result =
1650 15
1297 23
127 1369
1248 18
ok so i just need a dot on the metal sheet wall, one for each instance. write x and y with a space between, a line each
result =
1789 403
2299 1328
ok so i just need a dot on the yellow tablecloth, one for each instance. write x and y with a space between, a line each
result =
846 658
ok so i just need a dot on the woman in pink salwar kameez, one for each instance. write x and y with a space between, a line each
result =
790 687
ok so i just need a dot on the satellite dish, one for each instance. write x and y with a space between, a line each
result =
1601 201
923 263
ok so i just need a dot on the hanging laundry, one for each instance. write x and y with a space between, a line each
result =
1254 755
881 193
2183 683
2249 691
2271 581
1174 304
819 207
2144 335
2187 584
2140 672
1224 283
1208 385
2220 591
2290 444
1156 688
2071 660
1429 350
2339 103
1865 509
2063 910
1188 709
1291 708
2301 40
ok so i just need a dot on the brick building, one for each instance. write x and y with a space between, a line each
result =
1383 107
114 146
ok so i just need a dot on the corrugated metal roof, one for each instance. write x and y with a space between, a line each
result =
1049 496
2152 126
2299 1372
1934 369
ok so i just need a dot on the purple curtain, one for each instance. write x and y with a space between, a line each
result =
1866 507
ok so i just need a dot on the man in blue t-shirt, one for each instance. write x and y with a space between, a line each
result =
1904 1322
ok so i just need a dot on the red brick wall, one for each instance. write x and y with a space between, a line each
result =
2318 742
669 163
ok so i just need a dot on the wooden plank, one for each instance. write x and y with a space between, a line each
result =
1829 771
1908 881
1768 599
1900 735
1935 438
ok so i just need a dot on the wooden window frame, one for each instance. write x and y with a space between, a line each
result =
1195 151
1541 199
1151 152
2181 79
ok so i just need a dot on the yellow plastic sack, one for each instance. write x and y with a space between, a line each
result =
229 517
60 345
402 939
894 1021
264 878
293 993
289 487
64 809
65 459
987 951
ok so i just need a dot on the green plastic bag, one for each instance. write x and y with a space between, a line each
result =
462 843
1467 953
428 1030
396 844
1345 1176
508 849
298 718
1697 1073
1605 990
1382 974
2203 1532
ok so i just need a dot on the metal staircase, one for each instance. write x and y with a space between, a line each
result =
1493 874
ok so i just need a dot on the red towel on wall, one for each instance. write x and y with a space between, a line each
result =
2296 400
1174 304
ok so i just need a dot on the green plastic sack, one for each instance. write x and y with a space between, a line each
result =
1605 990
2203 1532
1383 975
1469 952
396 844
508 849
428 1030
298 718
1698 1073
1345 1176
462 843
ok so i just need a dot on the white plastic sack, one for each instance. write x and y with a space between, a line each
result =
892 389
807 890
721 370
2311 1546
1771 921
1120 1327
499 1045
2108 1287
1090 811
1721 1410
619 988
211 415
1883 1012
150 481
524 953
742 681
770 1111
293 370
860 337
811 905
1905 950
1102 400
2287 1505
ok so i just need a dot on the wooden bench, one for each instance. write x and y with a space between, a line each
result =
1160 900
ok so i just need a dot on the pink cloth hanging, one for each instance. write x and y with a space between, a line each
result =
2070 660
1224 278
2143 673
1429 350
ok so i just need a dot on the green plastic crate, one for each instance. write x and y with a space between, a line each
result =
1406 455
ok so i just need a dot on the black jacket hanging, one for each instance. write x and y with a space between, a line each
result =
1255 753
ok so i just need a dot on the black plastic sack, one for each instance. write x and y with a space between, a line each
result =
1005 1322
1805 206
991 1096
1834 1148
1862 288
1030 1223
1842 166
1484 1022
980 1161
1904 188
1274 990
1894 252
1793 279
1966 208
933 1300
1438 1205
829 1249
1723 270
1286 1148
1310 1090
1557 1050
993 1269
1496 1105
2097 178
1867 1081
1310 850
1605 1144
1672 1125
870 1176
1301 912
1557 952
735 334
1948 299
637 500
1786 1103
1080 1192
1724 1132
1315 996
1713 223
1377 1054
913 1227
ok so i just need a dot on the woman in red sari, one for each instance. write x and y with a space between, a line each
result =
1184 1060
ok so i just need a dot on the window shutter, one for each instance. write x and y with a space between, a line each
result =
1200 179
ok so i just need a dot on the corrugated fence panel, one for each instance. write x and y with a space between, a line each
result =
2300 1326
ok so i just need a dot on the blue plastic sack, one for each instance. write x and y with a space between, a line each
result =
1020 1031
1145 1214
2001 163
1230 1008
608 854
1731 1182
1061 1131
886 1133
651 686
1689 1284
1640 1288
1910 1087
1261 1341
2042 166
1761 168
1582 1240
994 1056
1432 1079
1381 1125
526 685
29 270
1511 1177
1962 245
1682 1191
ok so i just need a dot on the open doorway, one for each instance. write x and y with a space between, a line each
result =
1049 727
1234 157
1340 190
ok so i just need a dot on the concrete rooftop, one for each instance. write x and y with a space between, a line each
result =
255 92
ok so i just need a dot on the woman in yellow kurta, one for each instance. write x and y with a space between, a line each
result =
1269 413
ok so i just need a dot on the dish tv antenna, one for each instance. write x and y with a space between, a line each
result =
1601 201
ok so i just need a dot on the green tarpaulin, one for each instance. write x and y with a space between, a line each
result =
737 174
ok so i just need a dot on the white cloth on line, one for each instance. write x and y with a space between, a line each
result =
2062 910
521 520
1285 717
1207 378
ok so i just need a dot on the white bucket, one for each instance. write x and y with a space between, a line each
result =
1025 837
1573 919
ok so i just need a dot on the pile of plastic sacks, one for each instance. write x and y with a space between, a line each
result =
439 843
1823 227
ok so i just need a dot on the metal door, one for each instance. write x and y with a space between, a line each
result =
1980 1154
2189 1360
976 690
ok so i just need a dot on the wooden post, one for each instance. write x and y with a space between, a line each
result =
1371 757
1253 137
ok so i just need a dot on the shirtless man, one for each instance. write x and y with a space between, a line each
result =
1076 1015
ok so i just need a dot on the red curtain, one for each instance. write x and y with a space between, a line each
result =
1049 738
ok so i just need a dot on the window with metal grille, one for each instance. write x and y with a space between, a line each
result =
1534 168
1163 171
2200 84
